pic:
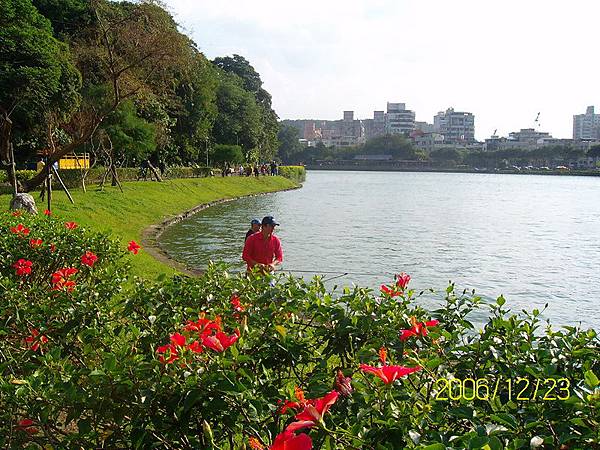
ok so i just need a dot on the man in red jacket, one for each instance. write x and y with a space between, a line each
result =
263 249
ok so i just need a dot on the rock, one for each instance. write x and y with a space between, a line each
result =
23 201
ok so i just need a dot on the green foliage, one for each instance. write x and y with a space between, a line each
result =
227 153
37 77
117 369
396 145
594 151
289 146
133 136
295 173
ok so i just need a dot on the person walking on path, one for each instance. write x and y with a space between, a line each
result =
254 228
263 249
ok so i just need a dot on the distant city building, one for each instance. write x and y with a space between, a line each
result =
424 127
398 119
375 127
529 135
586 126
456 127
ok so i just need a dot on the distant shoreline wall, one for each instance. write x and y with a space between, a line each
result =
383 168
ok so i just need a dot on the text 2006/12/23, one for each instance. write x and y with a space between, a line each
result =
511 389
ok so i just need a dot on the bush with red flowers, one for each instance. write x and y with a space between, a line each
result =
228 362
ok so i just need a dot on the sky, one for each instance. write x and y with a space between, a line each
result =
504 61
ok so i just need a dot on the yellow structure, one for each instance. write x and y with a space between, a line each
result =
71 162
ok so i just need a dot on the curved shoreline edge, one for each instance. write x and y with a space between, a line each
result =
151 234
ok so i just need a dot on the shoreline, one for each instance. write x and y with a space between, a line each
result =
151 234
364 168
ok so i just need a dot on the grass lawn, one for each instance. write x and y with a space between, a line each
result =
144 203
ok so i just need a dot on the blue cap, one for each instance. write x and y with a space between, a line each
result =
255 222
269 220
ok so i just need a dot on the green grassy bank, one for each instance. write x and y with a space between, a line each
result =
144 203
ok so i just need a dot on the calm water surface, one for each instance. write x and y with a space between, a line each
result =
534 239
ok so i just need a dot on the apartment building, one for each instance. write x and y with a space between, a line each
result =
457 127
398 119
586 126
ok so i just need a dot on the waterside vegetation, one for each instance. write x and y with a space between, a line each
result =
88 360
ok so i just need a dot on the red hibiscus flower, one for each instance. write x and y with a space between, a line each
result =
60 279
392 292
177 341
402 280
20 230
70 225
47 212
417 329
26 426
389 374
88 259
133 247
34 342
196 347
35 243
313 412
288 440
290 404
22 267
235 302
220 341
202 326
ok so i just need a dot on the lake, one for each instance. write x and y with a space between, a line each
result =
534 239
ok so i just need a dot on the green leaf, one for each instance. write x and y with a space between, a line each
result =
281 330
435 447
500 301
591 379
505 419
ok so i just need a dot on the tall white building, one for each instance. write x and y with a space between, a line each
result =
586 126
398 119
456 127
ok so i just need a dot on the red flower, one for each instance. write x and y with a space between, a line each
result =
391 292
196 347
288 440
35 243
418 328
70 225
313 412
220 341
133 247
235 302
402 280
26 425
171 350
47 212
389 373
20 230
88 258
290 404
52 248
17 213
34 342
203 326
23 267
60 279
178 340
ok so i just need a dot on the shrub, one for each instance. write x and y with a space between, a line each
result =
218 361
294 173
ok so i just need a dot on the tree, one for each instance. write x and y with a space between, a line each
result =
289 146
241 67
594 151
127 53
37 78
392 144
228 153
238 119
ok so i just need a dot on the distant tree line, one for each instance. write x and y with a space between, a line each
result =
84 74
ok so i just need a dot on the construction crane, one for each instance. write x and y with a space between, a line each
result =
536 122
